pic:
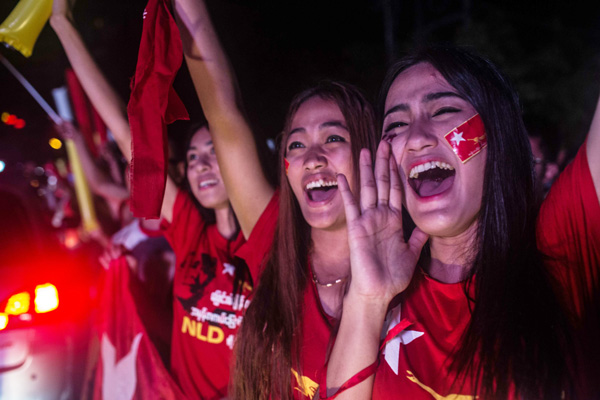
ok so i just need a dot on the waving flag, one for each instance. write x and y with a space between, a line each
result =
129 366
153 104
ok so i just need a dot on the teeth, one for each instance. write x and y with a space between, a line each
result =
320 183
414 173
209 182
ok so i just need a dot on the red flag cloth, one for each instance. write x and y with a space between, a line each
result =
153 104
99 127
129 366
82 109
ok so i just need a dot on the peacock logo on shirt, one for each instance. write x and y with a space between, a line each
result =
453 396
305 385
197 285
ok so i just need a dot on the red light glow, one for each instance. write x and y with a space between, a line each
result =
11 120
71 239
19 123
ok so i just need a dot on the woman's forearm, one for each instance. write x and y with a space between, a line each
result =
101 94
356 347
248 188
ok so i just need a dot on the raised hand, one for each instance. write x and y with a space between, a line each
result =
62 8
67 130
112 252
382 263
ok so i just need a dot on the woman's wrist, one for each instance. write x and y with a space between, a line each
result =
58 21
366 308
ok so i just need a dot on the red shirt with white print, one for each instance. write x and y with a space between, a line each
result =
415 364
206 312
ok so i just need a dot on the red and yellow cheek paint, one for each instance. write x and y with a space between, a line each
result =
468 139
287 165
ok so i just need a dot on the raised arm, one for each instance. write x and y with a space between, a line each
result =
99 182
104 98
593 149
102 95
248 189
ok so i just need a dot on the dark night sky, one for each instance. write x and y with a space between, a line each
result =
551 52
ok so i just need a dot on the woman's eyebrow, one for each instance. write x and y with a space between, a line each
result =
296 130
334 123
426 99
440 95
398 107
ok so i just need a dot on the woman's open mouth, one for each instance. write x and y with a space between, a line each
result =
207 184
431 178
321 190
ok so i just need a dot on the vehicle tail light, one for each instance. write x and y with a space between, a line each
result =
46 298
19 308
3 320
17 304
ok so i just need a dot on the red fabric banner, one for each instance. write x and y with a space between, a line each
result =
99 127
153 104
129 366
82 110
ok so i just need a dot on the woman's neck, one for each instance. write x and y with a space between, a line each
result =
330 254
330 263
225 220
452 257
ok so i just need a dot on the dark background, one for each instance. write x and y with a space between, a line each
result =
550 50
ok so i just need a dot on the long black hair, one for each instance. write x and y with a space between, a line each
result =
517 337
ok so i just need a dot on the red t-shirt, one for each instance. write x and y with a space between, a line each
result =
316 332
568 232
206 313
414 365
256 248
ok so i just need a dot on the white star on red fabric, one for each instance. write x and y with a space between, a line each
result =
229 269
392 348
458 138
119 378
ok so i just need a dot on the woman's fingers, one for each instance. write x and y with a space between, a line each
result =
417 240
368 188
396 190
382 173
350 205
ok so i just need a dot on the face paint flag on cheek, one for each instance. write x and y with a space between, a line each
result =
468 139
287 165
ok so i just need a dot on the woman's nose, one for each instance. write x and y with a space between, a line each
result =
314 158
420 137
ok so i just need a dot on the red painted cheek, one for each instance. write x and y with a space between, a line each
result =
468 139
287 165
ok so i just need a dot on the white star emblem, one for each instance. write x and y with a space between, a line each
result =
458 138
392 348
229 342
229 269
119 377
